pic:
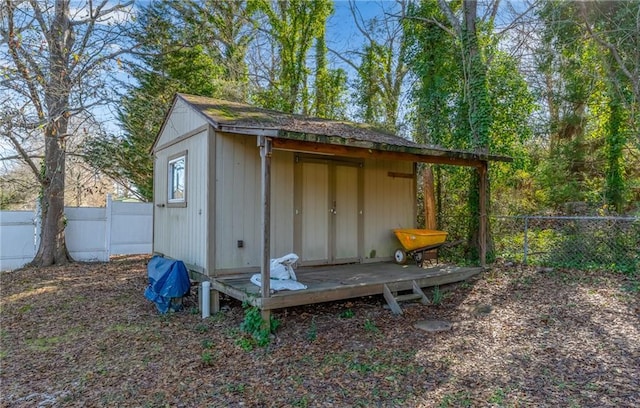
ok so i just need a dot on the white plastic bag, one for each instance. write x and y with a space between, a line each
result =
278 284
281 273
282 268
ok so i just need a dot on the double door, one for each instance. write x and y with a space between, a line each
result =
328 211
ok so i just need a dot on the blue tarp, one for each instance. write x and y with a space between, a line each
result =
168 278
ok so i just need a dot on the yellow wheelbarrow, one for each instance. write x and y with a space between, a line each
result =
416 243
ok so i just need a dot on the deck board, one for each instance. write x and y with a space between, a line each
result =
329 283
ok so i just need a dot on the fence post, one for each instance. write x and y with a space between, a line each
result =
107 227
526 239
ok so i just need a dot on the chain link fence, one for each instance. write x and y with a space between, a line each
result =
611 243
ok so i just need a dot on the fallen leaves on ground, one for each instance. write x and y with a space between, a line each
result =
84 335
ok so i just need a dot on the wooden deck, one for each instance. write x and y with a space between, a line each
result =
329 283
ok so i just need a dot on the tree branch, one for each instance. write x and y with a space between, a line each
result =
436 23
455 23
25 156
22 69
635 80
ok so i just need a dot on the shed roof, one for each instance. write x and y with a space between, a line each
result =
291 130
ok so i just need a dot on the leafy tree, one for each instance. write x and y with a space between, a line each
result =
329 85
55 58
291 27
472 99
590 100
381 71
192 47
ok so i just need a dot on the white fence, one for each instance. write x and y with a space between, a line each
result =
92 234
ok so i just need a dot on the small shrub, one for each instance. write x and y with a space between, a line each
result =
347 314
255 327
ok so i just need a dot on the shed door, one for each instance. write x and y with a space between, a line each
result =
327 222
313 210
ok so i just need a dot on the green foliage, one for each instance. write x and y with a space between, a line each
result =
590 157
258 330
329 85
436 296
374 103
575 243
347 314
615 142
370 326
179 56
292 26
207 358
202 328
475 98
312 333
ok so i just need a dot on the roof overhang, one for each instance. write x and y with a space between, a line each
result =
339 146
302 140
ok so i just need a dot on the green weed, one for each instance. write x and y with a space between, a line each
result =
202 328
497 397
460 399
245 343
43 343
436 296
312 333
236 388
370 326
254 326
207 358
347 314
302 402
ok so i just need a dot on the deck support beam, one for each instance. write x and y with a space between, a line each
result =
265 171
482 225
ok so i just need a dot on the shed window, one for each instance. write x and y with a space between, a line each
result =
178 180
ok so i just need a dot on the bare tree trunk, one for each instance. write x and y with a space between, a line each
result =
53 248
50 66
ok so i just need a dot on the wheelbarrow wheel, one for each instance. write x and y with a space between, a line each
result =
400 256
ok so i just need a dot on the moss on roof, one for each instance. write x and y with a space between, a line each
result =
223 113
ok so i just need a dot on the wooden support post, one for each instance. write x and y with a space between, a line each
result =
214 301
391 300
429 196
265 171
418 291
483 221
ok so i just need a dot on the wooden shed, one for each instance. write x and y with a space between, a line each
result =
235 185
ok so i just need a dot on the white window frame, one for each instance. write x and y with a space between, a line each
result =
171 200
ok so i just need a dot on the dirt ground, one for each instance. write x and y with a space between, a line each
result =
84 335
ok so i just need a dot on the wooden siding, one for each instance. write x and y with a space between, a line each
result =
181 120
346 213
238 202
181 232
389 202
281 203
314 213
